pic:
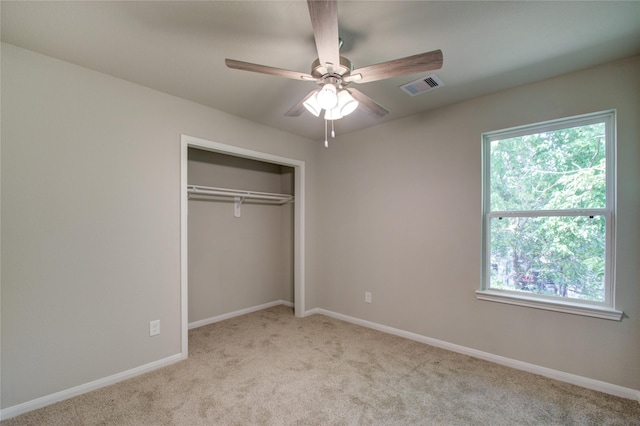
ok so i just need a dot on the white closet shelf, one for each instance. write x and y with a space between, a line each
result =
239 195
225 192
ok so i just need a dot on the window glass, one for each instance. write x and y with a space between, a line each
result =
560 169
548 210
560 256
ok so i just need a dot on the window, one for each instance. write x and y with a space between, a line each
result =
548 215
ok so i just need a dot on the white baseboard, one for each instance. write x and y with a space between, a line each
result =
25 407
207 321
34 404
585 382
574 379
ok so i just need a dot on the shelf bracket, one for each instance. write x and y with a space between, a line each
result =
237 203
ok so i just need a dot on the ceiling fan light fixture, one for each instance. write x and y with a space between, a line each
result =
327 97
333 114
346 103
312 105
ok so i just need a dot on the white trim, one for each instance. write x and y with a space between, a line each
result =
539 302
574 379
299 219
608 310
585 382
549 213
316 311
25 407
34 404
299 240
184 258
549 125
222 317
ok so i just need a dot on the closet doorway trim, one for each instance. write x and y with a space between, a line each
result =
299 216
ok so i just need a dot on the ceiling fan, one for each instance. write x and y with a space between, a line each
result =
334 73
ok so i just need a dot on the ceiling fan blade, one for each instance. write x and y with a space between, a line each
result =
368 104
324 19
263 69
299 108
422 62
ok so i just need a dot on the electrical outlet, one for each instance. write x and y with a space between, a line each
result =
367 297
154 328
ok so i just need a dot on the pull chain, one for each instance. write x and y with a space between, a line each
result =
333 132
326 142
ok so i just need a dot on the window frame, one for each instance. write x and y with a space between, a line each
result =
604 309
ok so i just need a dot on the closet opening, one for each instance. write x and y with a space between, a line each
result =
242 232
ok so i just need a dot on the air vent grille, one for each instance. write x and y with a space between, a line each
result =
422 85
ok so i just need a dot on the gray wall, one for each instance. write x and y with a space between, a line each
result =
237 263
91 219
412 235
91 211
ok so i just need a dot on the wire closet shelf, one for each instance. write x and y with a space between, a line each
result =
239 195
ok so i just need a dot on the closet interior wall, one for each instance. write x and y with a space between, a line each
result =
238 262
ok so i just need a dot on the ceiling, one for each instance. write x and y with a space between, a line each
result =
179 47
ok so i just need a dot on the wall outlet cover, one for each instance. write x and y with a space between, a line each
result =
154 328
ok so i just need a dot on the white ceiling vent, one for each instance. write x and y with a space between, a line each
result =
422 85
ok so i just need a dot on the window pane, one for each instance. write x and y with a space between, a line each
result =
557 256
556 170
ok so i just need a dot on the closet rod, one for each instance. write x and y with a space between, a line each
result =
225 192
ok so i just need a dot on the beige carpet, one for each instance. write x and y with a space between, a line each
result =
270 368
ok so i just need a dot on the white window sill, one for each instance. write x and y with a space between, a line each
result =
596 311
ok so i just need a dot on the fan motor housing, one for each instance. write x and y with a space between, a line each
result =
319 71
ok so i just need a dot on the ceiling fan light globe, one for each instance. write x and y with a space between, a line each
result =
313 106
346 103
333 114
327 97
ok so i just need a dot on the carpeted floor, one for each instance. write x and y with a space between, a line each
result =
271 368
